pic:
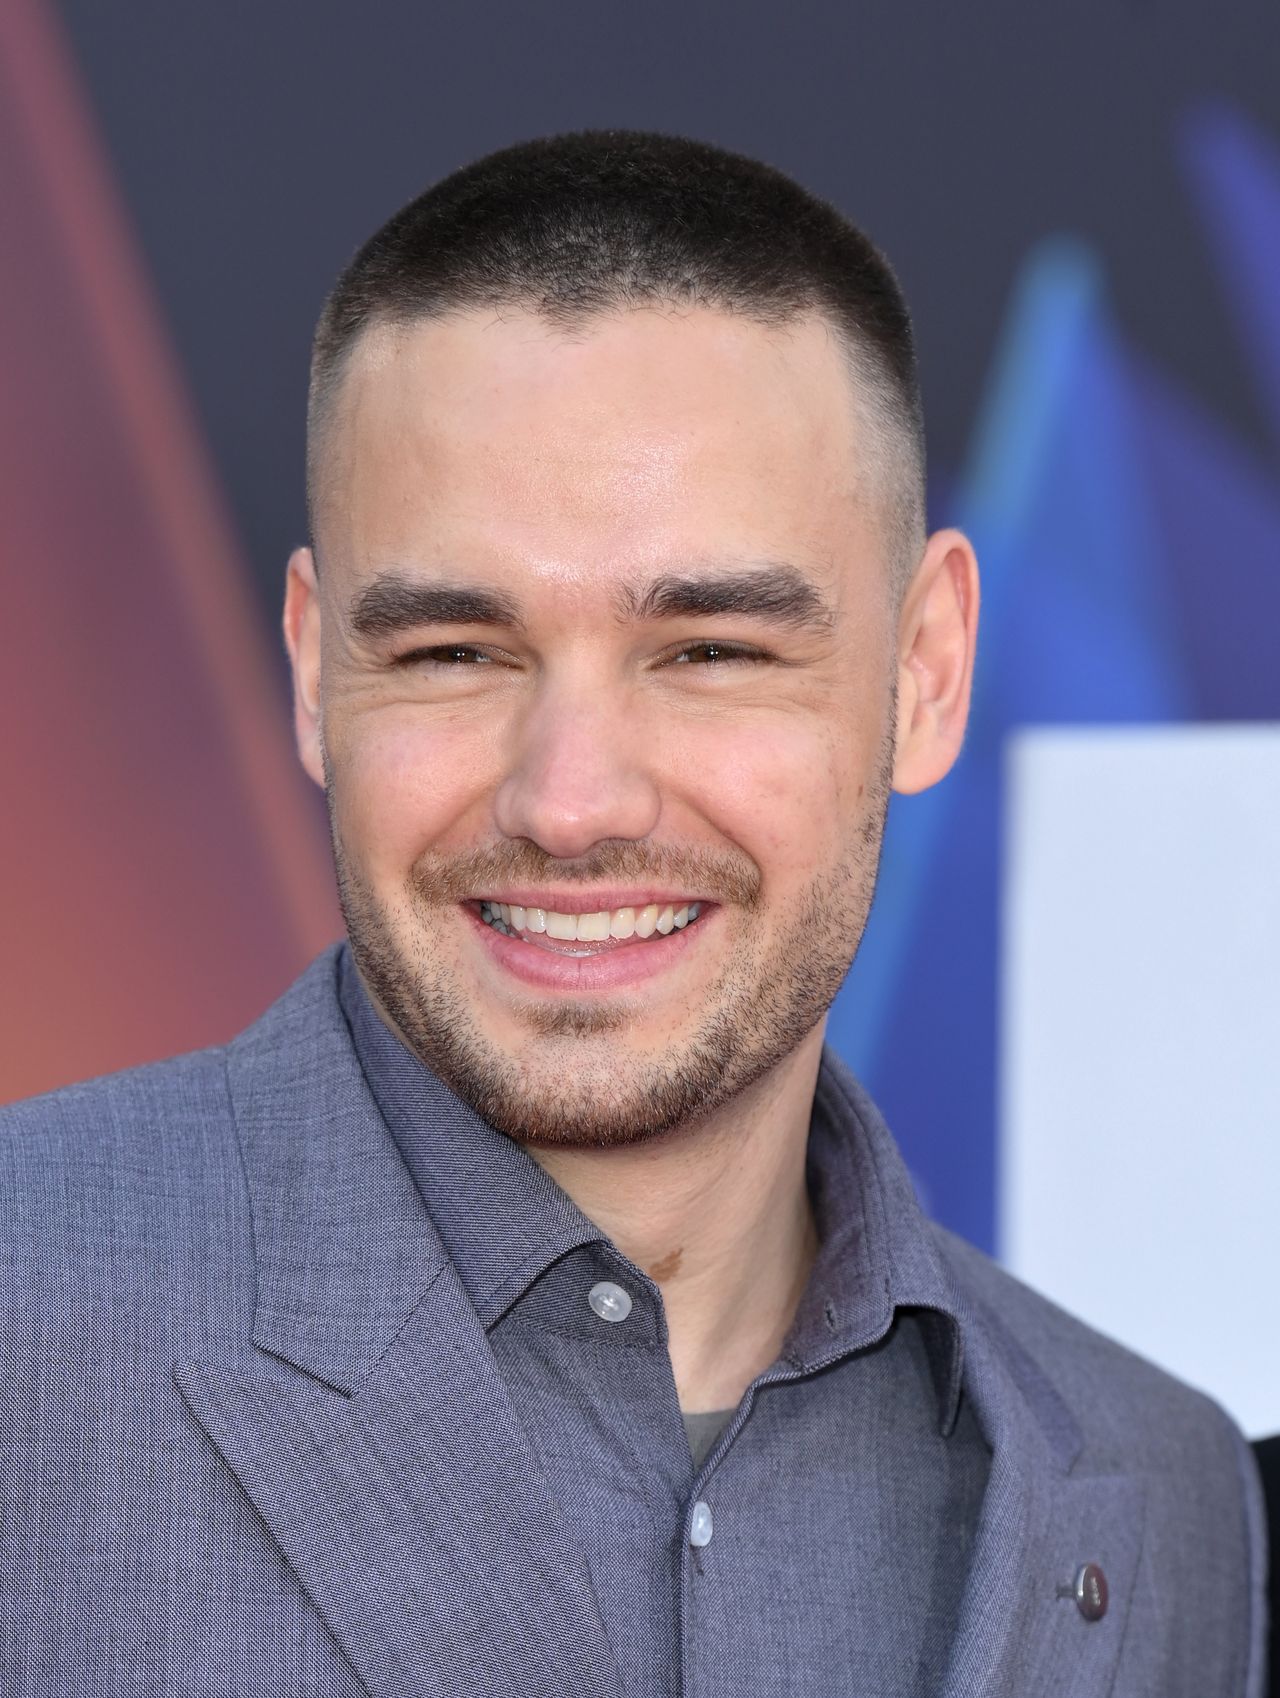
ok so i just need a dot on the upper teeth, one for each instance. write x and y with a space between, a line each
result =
591 928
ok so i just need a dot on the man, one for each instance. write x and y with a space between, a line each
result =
526 1304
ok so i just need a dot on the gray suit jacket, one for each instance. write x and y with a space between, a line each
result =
253 1441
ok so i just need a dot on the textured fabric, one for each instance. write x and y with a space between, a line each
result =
846 1487
254 1441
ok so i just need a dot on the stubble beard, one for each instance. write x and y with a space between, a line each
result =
577 1090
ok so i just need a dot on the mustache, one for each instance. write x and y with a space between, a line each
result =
443 879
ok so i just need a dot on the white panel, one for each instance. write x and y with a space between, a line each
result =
1140 1068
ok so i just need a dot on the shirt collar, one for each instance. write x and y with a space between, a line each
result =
877 1253
504 1221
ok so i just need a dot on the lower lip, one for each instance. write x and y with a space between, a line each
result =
611 969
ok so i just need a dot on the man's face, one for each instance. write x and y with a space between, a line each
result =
603 646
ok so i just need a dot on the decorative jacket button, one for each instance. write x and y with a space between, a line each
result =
1090 1591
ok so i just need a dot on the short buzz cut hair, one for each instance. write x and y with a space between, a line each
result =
575 226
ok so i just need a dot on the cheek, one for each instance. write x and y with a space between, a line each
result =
779 792
402 786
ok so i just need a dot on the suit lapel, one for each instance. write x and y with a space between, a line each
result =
1020 1628
415 1515
367 1420
1043 1515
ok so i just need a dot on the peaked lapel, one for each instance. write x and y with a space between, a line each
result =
1020 1629
367 1420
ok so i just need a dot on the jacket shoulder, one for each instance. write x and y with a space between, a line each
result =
117 1154
150 1156
1128 1410
78 1122
161 1111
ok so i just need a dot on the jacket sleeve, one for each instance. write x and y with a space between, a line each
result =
1256 1535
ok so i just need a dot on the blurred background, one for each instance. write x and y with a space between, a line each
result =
1068 999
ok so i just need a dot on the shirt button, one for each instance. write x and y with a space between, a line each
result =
700 1525
609 1301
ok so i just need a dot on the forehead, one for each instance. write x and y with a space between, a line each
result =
632 438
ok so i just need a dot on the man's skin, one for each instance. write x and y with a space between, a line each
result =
583 752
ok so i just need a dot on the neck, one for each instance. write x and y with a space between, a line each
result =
717 1214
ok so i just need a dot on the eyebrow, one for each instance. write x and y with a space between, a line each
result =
393 603
776 592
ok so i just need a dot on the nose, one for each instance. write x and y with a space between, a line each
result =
578 775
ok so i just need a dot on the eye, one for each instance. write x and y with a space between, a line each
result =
712 653
447 655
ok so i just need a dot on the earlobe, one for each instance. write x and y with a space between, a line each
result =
937 635
302 640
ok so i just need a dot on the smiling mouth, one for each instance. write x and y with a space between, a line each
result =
588 934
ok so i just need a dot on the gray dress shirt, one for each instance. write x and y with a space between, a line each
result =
820 1546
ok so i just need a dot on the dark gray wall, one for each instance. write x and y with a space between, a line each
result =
257 144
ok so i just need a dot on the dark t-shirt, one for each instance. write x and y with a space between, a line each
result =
703 1429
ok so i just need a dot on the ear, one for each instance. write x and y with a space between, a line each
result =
302 639
937 633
